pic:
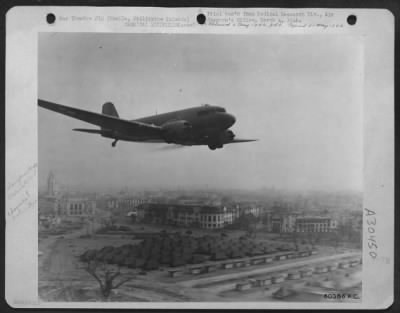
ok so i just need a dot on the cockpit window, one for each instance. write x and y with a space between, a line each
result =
209 111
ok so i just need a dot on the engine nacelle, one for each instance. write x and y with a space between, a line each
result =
176 131
226 136
223 138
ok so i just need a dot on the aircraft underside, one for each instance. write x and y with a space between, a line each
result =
215 140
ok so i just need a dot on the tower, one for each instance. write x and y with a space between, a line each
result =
51 185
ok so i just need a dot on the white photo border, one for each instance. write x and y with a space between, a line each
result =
375 27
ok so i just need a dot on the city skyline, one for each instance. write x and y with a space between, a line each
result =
184 188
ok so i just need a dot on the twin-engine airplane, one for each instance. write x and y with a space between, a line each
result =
203 125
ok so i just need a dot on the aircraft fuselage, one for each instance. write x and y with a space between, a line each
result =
208 118
202 125
206 123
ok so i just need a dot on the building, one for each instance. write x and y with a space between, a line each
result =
76 208
245 208
48 203
279 218
285 220
202 216
351 222
208 217
124 204
51 185
315 224
48 222
156 213
283 223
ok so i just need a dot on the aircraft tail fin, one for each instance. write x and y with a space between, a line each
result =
109 109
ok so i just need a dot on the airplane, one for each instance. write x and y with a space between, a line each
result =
202 125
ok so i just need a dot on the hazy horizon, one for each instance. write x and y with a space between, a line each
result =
76 188
301 96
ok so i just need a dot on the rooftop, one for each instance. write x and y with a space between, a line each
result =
313 218
201 208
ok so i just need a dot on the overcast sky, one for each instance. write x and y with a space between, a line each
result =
299 95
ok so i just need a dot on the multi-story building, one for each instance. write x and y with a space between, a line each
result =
283 223
315 224
248 208
124 204
203 216
286 220
77 207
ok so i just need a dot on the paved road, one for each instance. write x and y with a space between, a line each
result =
198 282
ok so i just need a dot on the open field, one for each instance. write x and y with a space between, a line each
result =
63 278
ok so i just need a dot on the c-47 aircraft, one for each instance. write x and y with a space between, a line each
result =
202 125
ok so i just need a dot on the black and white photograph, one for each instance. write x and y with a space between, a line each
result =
208 166
199 167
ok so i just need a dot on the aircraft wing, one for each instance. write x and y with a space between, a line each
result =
241 140
130 128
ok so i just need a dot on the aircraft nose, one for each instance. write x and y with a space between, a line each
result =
229 119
